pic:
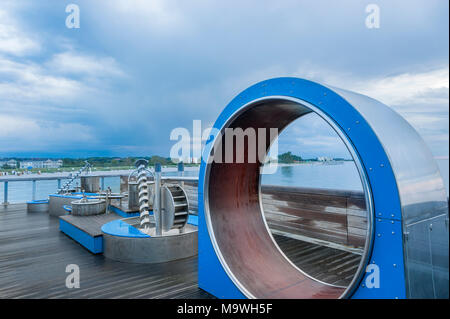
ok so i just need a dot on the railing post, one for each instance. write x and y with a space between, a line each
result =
103 182
157 202
59 183
33 194
5 193
181 172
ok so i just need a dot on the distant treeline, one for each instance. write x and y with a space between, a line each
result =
114 161
288 157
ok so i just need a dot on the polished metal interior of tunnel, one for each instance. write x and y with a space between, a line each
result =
235 218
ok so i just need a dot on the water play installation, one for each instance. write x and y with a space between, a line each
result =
161 235
406 203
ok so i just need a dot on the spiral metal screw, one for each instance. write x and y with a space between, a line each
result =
143 193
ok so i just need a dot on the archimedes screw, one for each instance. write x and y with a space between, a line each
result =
141 166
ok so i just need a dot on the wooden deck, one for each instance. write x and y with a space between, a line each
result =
34 255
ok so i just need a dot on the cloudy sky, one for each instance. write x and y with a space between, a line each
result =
135 70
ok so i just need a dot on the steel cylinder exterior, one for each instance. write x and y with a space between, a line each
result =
89 207
38 206
57 203
409 210
133 196
90 184
148 249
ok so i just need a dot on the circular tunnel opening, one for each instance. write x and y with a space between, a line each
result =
234 210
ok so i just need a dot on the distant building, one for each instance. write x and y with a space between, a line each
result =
32 164
41 164
53 164
26 164
324 159
12 163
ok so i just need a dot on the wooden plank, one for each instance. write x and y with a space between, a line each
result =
311 199
356 222
356 202
325 206
312 232
306 213
90 224
306 190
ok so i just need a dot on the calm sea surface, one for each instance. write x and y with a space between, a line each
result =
339 176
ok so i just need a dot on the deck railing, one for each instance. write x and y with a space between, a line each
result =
59 177
337 218
333 216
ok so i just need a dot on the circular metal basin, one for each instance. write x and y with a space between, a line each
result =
88 207
123 241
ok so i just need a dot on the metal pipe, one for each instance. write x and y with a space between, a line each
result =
157 203
33 193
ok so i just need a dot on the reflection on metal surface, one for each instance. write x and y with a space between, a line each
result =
402 185
422 195
238 226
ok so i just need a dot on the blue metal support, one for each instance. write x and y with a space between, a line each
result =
5 193
180 169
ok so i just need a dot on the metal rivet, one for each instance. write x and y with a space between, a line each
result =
379 235
393 233
363 285
395 265
381 165
370 168
325 93
379 219
392 215
392 221
357 122
379 214
348 129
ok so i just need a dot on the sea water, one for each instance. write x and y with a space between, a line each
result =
341 175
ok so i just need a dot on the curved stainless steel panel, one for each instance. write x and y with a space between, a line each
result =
422 194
